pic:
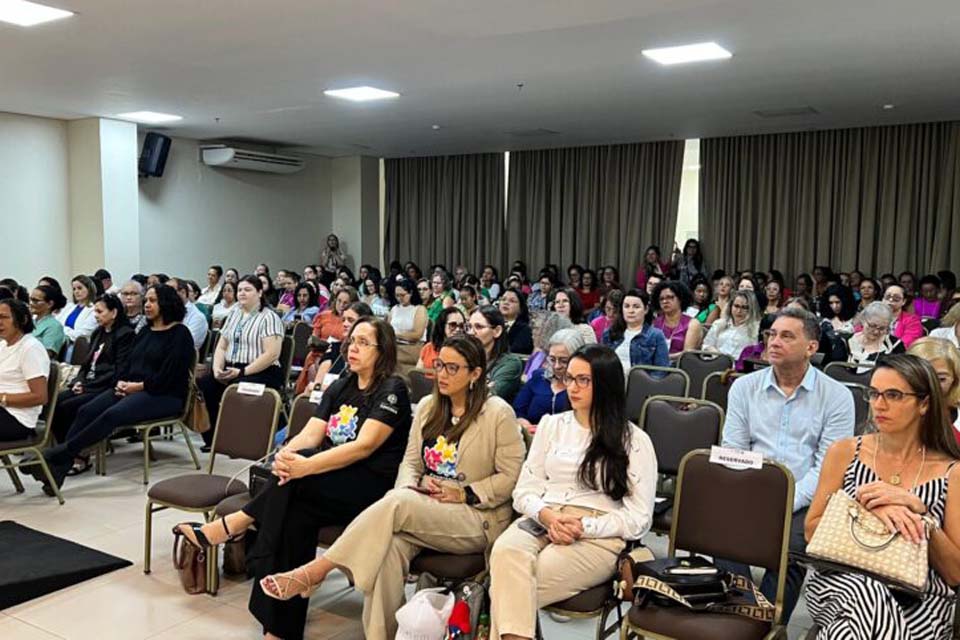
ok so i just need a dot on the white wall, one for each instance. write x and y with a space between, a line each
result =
121 198
34 201
195 216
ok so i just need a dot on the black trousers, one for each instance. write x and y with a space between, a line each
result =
212 390
68 405
11 429
289 517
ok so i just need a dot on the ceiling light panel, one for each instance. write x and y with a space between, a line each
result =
28 14
149 117
699 52
361 94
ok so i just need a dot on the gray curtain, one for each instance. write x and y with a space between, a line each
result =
445 209
593 205
878 199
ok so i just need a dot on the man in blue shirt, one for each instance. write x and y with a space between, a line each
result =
790 412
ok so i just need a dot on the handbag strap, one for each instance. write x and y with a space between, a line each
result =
762 611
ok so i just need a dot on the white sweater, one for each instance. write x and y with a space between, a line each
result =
85 324
549 477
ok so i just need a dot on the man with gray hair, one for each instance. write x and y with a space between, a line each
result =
790 412
131 295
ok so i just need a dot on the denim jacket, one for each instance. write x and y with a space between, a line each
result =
648 347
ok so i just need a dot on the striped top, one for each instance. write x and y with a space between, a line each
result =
244 333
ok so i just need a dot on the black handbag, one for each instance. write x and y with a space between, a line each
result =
696 579
260 475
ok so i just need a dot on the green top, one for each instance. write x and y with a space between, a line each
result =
702 316
503 377
433 311
49 332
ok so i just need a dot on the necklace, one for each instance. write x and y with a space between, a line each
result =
895 478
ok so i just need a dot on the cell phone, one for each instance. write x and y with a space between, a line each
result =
532 527
419 489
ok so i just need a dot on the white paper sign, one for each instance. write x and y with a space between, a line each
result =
736 458
316 396
251 388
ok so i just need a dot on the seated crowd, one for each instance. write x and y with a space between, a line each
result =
543 362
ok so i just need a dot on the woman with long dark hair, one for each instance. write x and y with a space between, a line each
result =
449 323
589 480
900 474
452 493
632 338
689 263
653 265
503 369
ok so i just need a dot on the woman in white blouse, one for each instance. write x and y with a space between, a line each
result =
587 486
737 327
77 318
409 321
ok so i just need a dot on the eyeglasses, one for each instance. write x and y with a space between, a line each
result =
37 300
876 327
893 298
423 288
455 326
452 368
558 362
742 307
473 327
890 395
582 381
666 297
362 343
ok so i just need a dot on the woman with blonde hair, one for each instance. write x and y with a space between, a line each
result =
737 328
945 360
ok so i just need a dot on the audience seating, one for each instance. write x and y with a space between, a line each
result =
700 364
214 335
716 387
81 350
642 385
421 384
206 349
32 449
861 406
245 429
301 346
929 324
145 429
743 516
676 427
847 372
300 413
286 363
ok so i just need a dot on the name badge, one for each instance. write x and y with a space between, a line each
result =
251 388
316 396
736 458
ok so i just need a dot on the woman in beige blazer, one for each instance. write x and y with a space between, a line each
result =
453 492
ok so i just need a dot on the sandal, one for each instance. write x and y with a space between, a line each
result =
202 542
291 579
82 465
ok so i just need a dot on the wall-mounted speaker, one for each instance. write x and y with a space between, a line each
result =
153 156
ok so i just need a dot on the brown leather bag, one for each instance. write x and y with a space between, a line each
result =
190 562
199 418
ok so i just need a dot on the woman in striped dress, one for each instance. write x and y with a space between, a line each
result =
899 473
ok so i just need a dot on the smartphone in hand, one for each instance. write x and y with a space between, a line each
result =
532 527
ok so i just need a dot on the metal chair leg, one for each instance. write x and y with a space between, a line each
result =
186 437
49 476
146 456
14 478
147 536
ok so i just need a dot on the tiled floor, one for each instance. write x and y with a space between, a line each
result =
107 513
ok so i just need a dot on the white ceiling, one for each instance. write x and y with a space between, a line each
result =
257 69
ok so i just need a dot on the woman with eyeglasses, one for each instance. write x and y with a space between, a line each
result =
906 325
409 321
544 393
589 481
944 357
45 302
611 310
682 332
503 368
737 328
345 459
901 475
632 338
334 360
452 493
441 294
451 322
516 315
874 340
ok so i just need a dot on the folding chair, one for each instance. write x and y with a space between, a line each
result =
716 387
81 350
861 406
38 443
847 372
421 384
286 363
645 381
743 516
245 429
700 364
301 347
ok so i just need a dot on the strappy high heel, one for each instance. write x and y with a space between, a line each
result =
202 541
291 578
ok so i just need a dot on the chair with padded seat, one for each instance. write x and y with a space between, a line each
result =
286 364
740 515
245 429
700 364
300 333
421 384
850 372
676 426
644 381
33 448
716 387
861 405
147 428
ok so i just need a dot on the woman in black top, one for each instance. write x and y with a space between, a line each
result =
513 306
110 347
345 459
153 385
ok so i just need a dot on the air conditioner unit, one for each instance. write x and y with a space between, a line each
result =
233 158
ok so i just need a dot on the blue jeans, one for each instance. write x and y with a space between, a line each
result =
795 573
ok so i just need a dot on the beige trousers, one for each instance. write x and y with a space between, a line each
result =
407 357
380 543
527 573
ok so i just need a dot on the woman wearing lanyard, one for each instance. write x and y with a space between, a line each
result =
248 350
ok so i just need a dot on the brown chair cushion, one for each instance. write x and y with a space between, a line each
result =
678 622
448 565
17 444
663 521
329 535
195 490
587 601
232 504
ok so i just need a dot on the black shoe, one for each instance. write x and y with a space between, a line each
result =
205 448
202 540
59 473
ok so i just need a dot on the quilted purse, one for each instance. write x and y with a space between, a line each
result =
849 535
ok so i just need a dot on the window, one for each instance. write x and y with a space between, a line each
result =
688 213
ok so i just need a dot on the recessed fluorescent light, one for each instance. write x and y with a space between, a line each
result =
688 53
889 107
361 94
149 117
28 14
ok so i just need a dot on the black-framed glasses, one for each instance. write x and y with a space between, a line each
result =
742 307
582 381
452 368
453 324
890 395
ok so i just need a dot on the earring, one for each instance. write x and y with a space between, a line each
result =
472 382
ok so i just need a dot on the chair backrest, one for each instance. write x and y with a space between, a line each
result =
421 384
646 381
700 364
214 341
739 515
847 372
50 408
246 424
861 405
286 356
716 387
62 354
301 410
677 426
205 348
929 324
301 338
81 350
